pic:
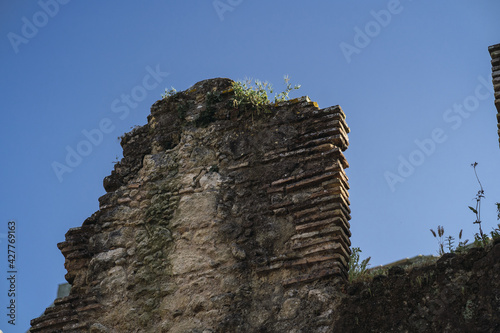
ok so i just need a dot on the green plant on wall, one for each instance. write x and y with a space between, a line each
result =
254 96
169 92
283 96
439 235
496 231
498 210
357 268
248 96
448 242
481 238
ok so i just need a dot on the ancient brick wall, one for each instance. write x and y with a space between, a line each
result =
495 67
215 220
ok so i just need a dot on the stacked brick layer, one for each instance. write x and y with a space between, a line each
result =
495 66
316 199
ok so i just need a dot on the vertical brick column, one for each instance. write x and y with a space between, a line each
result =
495 67
316 199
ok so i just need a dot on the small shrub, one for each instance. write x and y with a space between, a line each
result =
283 96
481 239
496 232
357 269
254 96
439 236
249 96
449 241
169 92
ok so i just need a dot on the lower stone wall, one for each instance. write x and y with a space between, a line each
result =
460 293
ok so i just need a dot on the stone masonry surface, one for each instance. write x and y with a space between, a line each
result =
215 220
458 293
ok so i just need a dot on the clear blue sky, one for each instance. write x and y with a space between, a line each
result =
409 76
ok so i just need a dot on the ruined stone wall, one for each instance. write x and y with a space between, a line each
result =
495 67
219 220
215 220
459 293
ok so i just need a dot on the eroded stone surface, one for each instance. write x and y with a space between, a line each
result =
459 293
215 220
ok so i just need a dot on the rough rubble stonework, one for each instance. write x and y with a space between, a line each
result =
215 220
495 68
457 294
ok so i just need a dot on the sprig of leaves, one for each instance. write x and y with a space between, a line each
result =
448 241
478 237
169 92
356 268
254 95
283 96
248 95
